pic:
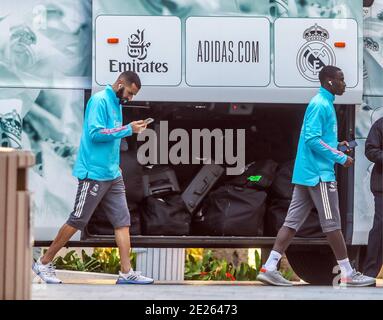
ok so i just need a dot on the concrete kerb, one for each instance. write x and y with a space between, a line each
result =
68 276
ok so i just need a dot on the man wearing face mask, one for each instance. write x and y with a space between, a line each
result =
99 175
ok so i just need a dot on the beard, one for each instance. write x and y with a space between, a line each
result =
120 93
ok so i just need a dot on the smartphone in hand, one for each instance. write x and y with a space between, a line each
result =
351 145
148 121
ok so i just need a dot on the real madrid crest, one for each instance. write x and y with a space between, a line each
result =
315 54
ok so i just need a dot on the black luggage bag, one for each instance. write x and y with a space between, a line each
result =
282 186
166 216
201 185
258 175
231 211
160 181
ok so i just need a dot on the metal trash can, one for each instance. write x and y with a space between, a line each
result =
15 238
161 263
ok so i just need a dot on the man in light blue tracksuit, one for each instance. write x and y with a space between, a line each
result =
315 183
99 175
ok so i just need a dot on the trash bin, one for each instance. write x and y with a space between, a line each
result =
15 239
161 263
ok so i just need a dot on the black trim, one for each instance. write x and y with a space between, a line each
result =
187 242
345 176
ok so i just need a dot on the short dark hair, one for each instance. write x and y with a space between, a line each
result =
328 72
130 77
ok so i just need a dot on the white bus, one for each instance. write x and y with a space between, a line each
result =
247 65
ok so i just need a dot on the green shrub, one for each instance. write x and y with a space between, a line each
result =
209 268
104 260
71 261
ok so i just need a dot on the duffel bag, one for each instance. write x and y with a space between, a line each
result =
282 187
166 216
231 211
258 174
160 181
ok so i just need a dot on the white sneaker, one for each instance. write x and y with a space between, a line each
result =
274 278
356 279
46 272
133 277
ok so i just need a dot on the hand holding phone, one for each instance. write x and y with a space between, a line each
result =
148 120
351 145
138 126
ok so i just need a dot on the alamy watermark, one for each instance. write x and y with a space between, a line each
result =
336 282
194 148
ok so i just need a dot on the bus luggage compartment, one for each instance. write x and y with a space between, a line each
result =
271 133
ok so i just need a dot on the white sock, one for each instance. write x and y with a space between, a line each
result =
345 267
272 261
126 274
